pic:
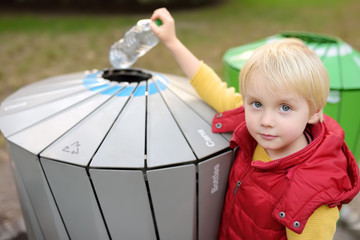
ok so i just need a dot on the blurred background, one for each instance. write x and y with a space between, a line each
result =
43 38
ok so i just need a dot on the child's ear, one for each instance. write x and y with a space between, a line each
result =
316 117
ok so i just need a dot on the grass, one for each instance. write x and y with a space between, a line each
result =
34 46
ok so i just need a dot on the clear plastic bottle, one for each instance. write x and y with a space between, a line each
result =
136 42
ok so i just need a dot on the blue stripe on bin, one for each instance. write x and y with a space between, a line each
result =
90 79
99 87
164 81
140 91
111 91
152 89
161 83
126 92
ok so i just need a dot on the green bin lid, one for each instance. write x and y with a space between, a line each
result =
340 59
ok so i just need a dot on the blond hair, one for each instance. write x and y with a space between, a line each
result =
289 65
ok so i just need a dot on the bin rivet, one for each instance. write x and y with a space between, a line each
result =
218 125
219 115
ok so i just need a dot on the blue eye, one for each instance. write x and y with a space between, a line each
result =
285 108
256 105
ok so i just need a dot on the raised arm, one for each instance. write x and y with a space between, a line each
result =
187 61
205 81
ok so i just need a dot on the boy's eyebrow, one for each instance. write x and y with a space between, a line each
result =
250 96
288 99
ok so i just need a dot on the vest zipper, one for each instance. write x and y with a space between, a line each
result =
237 186
246 173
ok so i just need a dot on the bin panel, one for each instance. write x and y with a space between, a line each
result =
78 145
40 197
160 126
236 57
313 46
14 122
173 193
39 136
124 146
350 64
75 199
356 152
333 105
33 229
125 204
194 102
10 106
331 61
183 89
350 119
197 132
213 176
319 49
176 82
231 77
66 81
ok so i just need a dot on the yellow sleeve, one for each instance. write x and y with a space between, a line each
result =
214 91
320 226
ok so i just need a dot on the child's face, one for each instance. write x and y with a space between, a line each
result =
275 121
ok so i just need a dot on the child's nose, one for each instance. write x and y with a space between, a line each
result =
267 119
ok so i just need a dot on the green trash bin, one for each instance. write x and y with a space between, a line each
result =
343 65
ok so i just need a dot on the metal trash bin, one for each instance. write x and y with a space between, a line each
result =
116 154
343 65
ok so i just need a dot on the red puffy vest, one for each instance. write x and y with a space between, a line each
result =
264 198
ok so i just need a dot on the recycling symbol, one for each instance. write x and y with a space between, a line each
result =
72 148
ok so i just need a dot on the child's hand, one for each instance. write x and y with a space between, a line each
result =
166 32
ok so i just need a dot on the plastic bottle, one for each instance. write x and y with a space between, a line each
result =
136 42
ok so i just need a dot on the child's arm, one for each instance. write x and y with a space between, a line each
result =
206 82
166 33
213 91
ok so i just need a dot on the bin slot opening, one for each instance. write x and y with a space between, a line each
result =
126 75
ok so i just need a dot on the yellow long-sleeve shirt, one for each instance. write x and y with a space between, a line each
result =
322 223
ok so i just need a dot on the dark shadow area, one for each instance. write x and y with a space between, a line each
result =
21 236
101 6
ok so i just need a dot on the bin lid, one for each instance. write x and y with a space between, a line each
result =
123 118
340 59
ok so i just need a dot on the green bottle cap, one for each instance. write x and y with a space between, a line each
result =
158 22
